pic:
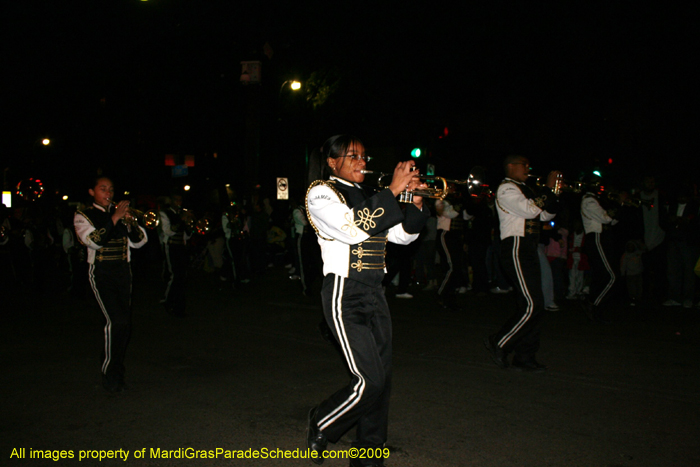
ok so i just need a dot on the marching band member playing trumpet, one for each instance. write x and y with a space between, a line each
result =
598 247
353 225
520 210
109 235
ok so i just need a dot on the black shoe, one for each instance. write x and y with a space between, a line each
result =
315 440
530 366
112 385
594 313
497 354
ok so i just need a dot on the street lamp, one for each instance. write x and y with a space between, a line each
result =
294 85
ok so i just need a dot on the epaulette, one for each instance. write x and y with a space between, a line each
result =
329 184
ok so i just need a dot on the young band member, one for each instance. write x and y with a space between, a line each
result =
520 210
109 233
353 225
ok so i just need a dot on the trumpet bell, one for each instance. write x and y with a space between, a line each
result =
203 226
476 183
150 219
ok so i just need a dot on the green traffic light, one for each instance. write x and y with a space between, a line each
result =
416 152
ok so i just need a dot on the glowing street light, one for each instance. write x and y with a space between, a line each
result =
45 141
294 85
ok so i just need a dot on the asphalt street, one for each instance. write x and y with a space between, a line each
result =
242 370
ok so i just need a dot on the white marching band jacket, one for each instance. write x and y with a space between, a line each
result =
593 214
104 240
353 227
520 214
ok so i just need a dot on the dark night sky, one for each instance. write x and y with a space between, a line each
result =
121 83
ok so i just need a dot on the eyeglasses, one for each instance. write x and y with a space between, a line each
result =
357 157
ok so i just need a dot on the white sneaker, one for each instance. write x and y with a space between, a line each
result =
462 290
499 290
552 307
687 304
670 302
404 295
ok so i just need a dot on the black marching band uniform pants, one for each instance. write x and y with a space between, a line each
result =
597 246
451 250
521 333
359 318
177 259
111 283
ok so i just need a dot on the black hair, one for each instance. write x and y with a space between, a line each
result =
334 147
97 178
512 159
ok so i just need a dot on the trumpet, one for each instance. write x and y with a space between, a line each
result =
619 198
202 226
150 219
429 192
561 185
475 183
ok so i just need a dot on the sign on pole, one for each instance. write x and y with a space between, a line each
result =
282 188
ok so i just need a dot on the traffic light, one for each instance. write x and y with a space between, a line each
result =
415 153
